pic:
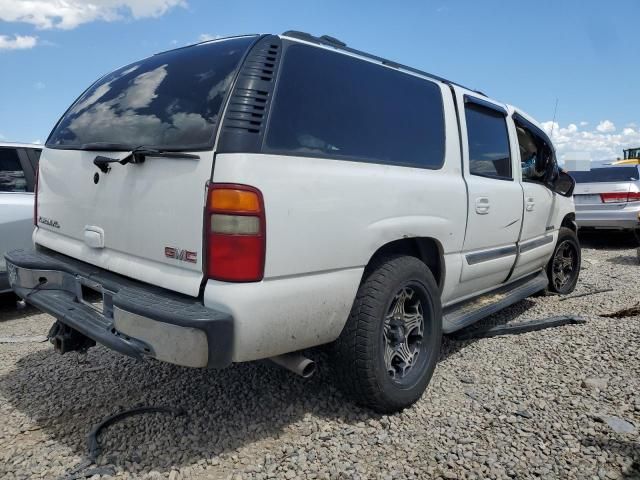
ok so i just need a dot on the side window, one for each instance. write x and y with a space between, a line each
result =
331 105
12 178
489 154
536 155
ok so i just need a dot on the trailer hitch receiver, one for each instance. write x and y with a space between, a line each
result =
66 339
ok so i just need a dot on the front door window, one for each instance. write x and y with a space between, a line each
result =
535 154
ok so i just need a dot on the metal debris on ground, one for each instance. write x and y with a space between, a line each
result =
523 413
591 292
82 470
92 438
625 312
520 327
617 424
474 396
24 339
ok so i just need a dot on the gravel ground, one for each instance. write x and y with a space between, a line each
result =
558 403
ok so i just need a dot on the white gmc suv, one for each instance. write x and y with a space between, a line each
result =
250 197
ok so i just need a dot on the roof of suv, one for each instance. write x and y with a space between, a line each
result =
328 41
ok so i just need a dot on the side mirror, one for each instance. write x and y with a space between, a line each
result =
564 184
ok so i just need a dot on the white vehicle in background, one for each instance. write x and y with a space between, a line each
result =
18 164
608 198
251 197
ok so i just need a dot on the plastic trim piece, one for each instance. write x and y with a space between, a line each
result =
485 104
535 243
246 114
493 254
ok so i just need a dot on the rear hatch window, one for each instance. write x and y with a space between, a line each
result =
170 101
603 175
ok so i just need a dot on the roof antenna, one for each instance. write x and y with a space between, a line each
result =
553 122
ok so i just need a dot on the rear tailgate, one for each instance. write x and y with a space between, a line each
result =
139 210
142 220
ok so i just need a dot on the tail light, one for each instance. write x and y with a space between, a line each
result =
634 197
35 197
235 232
620 197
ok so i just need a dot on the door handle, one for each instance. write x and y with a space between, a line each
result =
482 205
530 204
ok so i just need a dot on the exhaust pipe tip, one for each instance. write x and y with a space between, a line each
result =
296 363
309 369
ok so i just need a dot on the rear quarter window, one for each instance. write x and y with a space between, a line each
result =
331 105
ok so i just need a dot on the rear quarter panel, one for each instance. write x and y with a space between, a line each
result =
327 214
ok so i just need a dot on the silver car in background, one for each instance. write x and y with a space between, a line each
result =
608 197
18 167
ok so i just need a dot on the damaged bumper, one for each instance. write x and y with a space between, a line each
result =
130 317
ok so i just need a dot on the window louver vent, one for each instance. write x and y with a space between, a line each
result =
245 118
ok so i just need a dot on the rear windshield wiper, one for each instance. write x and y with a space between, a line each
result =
106 147
136 155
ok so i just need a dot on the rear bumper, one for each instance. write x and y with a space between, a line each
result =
623 218
135 319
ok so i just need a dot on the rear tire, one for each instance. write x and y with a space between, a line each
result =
563 268
388 350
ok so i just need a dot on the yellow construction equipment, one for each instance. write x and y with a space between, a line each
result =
631 157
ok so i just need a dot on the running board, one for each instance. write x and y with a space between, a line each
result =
470 311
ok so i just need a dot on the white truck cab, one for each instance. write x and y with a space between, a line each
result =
251 197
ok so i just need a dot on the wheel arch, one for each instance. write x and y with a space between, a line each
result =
426 249
569 221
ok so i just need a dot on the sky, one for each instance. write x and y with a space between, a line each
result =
583 54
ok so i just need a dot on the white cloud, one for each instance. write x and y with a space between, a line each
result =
606 126
143 89
205 37
19 42
68 14
584 124
121 117
603 143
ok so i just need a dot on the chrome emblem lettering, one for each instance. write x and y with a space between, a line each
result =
49 221
180 254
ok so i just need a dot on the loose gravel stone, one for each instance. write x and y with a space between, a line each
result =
524 406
